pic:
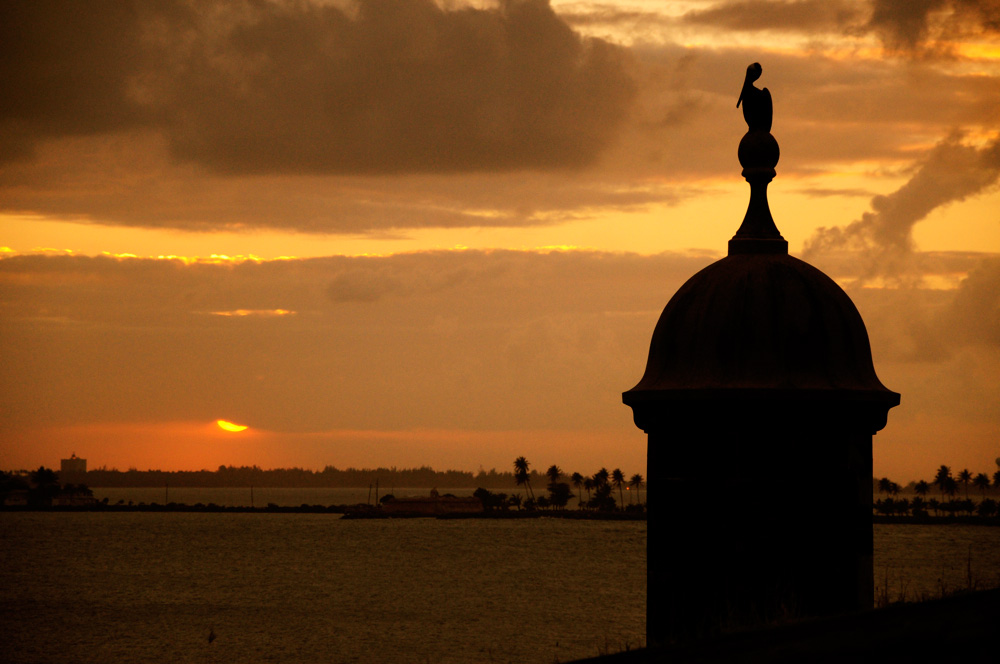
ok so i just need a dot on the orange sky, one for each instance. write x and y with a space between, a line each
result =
398 234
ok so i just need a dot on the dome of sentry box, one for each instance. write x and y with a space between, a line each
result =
760 322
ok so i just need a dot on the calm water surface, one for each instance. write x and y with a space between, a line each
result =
914 562
150 587
100 587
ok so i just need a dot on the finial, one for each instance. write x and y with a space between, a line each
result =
758 153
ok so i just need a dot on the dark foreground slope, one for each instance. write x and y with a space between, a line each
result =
958 628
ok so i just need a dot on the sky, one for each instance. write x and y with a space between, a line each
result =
400 232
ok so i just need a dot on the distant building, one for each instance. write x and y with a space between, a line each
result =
73 470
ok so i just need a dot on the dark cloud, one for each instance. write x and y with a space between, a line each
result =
883 237
263 87
827 109
828 90
128 182
65 69
223 119
780 15
912 25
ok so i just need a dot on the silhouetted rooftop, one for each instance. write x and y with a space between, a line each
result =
760 320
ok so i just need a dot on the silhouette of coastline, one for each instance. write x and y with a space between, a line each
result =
299 478
41 490
357 511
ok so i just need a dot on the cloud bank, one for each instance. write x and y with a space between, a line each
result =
400 86
882 239
916 27
473 340
494 341
928 25
376 116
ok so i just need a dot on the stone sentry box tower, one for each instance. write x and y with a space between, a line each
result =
760 400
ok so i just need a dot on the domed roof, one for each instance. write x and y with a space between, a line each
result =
760 321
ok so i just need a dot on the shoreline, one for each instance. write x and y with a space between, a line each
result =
949 519
348 511
362 511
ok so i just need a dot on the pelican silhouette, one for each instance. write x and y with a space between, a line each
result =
757 107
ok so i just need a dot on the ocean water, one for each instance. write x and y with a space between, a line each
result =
152 587
914 562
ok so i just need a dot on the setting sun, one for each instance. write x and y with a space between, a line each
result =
229 426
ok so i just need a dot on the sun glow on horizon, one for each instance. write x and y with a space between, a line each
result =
230 426
240 313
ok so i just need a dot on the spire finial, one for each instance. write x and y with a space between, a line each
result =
758 153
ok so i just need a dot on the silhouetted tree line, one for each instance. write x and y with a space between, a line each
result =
944 485
40 488
600 488
329 477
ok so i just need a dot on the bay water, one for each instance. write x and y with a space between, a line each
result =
115 587
152 587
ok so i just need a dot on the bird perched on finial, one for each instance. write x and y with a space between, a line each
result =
757 107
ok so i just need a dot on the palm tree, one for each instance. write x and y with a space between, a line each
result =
45 487
941 478
618 480
521 475
588 484
601 478
884 485
950 486
558 491
554 473
636 482
981 482
996 479
44 477
577 480
602 499
965 477
922 488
